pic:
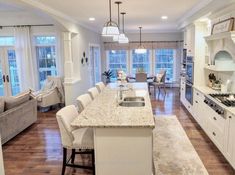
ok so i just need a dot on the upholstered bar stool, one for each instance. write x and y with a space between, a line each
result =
100 86
79 140
83 101
93 92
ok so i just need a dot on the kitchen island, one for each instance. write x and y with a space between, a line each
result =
122 135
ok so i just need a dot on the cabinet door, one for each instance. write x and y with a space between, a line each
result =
230 140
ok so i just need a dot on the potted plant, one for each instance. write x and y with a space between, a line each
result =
108 74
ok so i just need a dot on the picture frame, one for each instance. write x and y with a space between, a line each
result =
223 26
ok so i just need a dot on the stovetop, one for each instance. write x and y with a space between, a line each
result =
226 99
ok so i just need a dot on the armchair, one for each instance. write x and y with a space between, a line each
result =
51 94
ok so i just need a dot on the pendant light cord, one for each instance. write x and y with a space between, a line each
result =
110 11
123 13
140 36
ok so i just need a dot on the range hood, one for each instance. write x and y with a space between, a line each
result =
222 53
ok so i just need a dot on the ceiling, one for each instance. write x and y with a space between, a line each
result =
146 13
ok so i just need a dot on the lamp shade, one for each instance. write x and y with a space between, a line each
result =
110 29
123 39
115 38
140 50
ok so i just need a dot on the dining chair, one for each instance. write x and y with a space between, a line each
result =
83 101
79 140
141 77
159 81
93 92
100 86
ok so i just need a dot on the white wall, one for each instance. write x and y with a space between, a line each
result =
80 44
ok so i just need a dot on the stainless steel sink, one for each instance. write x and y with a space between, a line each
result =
132 104
134 99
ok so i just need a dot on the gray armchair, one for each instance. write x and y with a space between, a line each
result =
51 94
159 81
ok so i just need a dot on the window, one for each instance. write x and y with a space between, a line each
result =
7 41
140 62
46 57
117 60
164 59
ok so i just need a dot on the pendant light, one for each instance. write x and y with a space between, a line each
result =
140 49
122 38
116 37
110 27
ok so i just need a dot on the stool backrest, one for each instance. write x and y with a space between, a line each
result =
83 101
64 118
100 86
93 92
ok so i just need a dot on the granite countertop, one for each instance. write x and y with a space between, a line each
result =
104 111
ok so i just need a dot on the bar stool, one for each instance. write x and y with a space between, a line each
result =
100 86
80 139
83 101
93 92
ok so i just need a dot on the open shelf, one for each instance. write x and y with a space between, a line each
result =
215 69
224 35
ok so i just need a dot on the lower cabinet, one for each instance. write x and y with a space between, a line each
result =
229 149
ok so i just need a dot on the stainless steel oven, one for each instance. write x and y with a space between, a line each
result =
189 69
189 92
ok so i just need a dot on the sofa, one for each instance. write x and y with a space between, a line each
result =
16 114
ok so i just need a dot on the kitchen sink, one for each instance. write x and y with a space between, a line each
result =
132 104
134 99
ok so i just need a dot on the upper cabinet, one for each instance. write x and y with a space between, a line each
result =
190 39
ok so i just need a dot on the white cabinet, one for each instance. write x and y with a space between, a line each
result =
190 39
230 139
199 108
182 89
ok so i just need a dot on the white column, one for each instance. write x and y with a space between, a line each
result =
1 160
68 61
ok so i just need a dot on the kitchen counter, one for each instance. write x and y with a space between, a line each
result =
105 112
122 135
206 90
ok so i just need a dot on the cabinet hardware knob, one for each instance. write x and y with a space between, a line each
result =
196 101
214 118
214 133
229 117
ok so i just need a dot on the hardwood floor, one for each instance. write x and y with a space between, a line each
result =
37 150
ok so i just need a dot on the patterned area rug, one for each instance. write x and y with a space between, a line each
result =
173 152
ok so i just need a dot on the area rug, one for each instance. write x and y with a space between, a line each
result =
173 153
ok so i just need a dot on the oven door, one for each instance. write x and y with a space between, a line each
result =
189 72
189 92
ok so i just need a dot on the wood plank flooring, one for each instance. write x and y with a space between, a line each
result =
38 151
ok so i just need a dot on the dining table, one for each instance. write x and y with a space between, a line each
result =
122 135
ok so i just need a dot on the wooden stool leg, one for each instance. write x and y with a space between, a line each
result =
73 156
93 162
64 160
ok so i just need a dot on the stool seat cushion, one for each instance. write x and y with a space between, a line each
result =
83 138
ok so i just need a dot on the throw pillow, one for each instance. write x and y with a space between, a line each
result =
11 102
159 77
2 104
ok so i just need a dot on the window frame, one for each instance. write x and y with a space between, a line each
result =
131 62
127 58
174 63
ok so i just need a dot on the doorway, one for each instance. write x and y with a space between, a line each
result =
9 79
95 64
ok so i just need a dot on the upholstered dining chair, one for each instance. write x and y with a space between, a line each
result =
83 101
100 86
141 77
159 81
79 140
93 92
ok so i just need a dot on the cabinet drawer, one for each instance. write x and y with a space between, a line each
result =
199 96
216 135
218 122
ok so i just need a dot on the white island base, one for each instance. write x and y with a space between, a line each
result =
123 151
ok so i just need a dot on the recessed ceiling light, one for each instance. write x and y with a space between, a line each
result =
164 17
91 19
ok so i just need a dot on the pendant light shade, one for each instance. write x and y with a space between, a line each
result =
110 28
140 49
122 38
